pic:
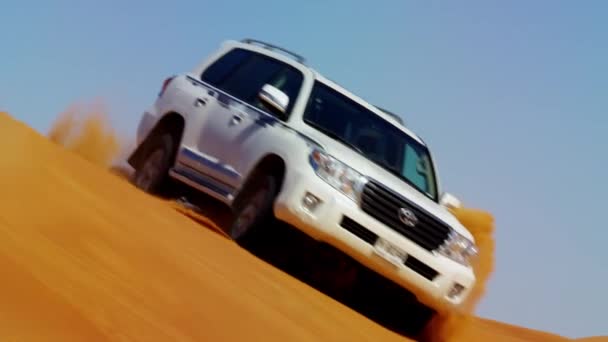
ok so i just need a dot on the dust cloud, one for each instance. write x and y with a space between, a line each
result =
85 130
451 326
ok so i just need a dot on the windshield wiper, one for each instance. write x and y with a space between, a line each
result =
409 182
338 137
356 148
362 153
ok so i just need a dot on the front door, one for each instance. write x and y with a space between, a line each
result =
236 115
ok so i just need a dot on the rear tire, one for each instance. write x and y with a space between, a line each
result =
152 174
254 211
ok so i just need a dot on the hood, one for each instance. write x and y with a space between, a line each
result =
370 169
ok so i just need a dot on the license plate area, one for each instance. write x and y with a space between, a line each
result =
389 252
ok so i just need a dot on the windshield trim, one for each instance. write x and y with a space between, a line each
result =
433 196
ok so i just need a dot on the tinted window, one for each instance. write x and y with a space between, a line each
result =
218 71
370 135
246 79
242 74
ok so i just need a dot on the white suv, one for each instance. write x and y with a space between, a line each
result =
256 128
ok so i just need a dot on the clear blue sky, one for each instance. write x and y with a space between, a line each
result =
512 96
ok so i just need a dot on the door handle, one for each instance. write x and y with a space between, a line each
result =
236 119
199 102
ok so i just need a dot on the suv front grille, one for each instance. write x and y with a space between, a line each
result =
384 205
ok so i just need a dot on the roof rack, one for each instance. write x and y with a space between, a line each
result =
273 47
397 117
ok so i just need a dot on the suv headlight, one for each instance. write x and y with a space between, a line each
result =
459 249
337 174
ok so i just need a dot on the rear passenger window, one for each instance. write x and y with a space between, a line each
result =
220 69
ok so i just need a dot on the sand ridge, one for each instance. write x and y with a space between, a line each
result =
85 256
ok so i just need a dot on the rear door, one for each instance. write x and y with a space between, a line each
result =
196 161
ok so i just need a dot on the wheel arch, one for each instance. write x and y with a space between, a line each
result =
271 163
172 122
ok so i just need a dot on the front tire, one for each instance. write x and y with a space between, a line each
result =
151 175
255 210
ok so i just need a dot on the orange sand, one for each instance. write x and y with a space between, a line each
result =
84 256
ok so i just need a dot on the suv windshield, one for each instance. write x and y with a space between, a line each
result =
373 137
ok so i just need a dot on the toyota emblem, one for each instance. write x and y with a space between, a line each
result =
408 217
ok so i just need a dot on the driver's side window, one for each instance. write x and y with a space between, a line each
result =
217 72
243 73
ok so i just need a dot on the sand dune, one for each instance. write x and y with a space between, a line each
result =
84 256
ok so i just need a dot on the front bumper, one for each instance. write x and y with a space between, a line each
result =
338 221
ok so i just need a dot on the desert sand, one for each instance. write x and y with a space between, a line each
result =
84 256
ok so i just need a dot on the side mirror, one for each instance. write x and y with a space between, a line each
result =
450 201
275 99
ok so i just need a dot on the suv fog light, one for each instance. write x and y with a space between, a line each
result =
455 291
310 202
